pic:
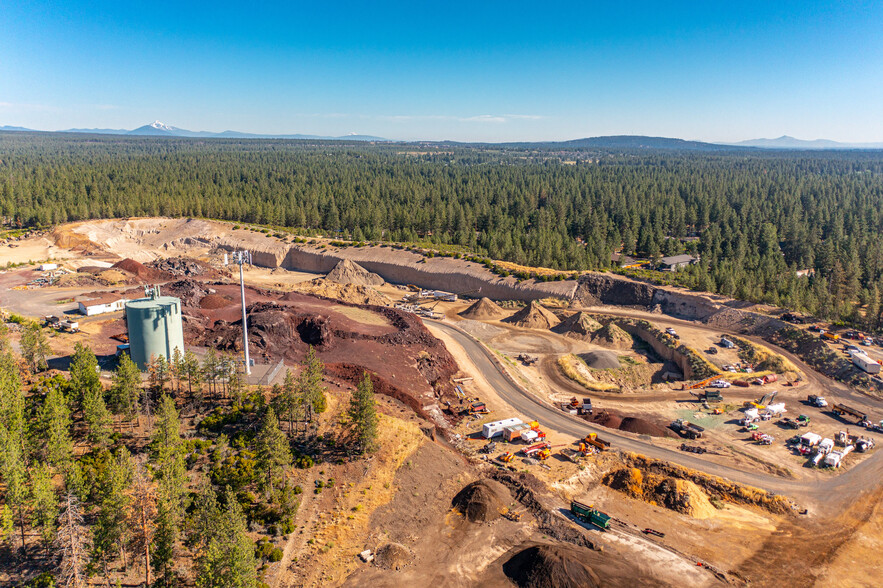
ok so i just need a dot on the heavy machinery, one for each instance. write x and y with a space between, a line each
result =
817 401
510 514
701 384
841 409
593 440
477 408
686 429
526 359
538 451
587 514
506 457
765 400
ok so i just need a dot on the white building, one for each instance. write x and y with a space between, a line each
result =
103 304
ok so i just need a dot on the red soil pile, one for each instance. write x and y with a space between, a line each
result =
215 301
640 426
139 270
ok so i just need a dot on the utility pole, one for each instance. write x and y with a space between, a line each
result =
242 257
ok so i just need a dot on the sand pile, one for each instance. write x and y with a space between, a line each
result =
601 360
552 566
352 293
348 272
138 269
578 326
675 494
613 336
533 316
484 310
482 500
392 556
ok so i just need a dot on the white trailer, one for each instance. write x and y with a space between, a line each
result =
48 267
490 430
835 458
810 439
865 363
776 409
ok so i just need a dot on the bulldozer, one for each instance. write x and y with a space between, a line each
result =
595 441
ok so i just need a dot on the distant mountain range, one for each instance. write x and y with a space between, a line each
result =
159 129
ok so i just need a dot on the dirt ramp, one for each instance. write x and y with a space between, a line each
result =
533 316
349 272
482 501
552 566
484 310
578 326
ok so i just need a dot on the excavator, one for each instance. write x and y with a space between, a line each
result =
593 440
765 401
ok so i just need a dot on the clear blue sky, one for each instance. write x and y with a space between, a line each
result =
473 70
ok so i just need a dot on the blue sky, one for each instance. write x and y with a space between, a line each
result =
494 71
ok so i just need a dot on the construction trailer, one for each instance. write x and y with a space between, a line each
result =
835 458
513 432
841 409
865 363
491 430
726 343
587 514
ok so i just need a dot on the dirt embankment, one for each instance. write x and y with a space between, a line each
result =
552 566
601 288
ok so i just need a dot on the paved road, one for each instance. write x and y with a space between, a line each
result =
864 476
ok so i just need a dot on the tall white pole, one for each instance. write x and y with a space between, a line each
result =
244 318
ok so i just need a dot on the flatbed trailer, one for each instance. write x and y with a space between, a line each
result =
587 514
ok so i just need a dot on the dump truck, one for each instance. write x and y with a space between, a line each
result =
831 336
841 409
686 429
587 514
595 441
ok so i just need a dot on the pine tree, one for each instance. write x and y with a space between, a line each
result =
84 377
142 515
271 448
44 502
6 523
125 392
12 400
158 373
287 400
97 417
112 531
363 415
167 434
310 381
34 347
55 419
193 374
72 543
176 368
228 560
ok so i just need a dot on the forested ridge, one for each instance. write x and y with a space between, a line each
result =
759 216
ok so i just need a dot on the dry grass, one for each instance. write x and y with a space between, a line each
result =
576 369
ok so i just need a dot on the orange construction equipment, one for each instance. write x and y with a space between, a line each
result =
701 384
595 441
506 457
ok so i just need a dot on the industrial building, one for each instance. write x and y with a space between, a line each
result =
676 262
155 327
102 304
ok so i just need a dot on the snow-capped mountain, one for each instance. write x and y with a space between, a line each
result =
157 128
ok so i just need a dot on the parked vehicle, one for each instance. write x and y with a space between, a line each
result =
842 409
686 429
587 514
817 401
720 384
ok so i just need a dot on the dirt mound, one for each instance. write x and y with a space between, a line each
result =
215 301
675 494
533 316
482 500
352 293
613 336
189 291
484 310
601 360
578 326
552 566
348 272
185 267
392 556
615 420
139 270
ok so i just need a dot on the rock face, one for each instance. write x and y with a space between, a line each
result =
578 326
349 272
484 310
482 501
533 316
552 566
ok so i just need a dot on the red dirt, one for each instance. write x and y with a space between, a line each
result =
141 271
615 420
215 301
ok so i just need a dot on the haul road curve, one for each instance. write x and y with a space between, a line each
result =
863 477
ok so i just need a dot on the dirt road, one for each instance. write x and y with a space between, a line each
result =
825 495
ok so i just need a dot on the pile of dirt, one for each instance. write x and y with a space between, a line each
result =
185 267
552 566
345 292
392 556
215 301
578 326
189 291
484 310
482 501
613 336
601 360
139 270
675 494
615 420
348 272
533 316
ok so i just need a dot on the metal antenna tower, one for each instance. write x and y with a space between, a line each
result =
242 257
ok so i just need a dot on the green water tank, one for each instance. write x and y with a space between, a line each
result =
155 328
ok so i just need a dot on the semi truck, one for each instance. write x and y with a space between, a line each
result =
841 409
686 429
587 514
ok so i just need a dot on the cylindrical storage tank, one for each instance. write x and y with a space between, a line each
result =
155 328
